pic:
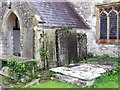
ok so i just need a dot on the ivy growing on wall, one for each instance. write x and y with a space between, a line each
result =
67 30
42 50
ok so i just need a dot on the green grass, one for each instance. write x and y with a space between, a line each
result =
106 81
99 58
54 84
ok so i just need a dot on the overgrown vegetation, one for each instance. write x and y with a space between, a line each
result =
91 58
29 71
42 50
67 31
20 70
42 47
108 80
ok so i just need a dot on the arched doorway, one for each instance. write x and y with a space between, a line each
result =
12 32
16 38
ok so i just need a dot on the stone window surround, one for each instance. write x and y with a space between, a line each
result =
107 41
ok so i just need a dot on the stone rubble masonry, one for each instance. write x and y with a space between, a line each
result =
29 37
86 9
65 44
25 16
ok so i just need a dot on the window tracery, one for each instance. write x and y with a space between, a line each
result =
109 21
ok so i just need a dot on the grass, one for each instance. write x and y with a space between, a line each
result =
54 84
4 80
91 58
106 81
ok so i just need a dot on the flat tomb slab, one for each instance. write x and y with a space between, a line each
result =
82 73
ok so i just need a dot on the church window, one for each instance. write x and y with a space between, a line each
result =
108 24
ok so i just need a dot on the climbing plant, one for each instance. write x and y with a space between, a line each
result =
67 30
42 50
16 69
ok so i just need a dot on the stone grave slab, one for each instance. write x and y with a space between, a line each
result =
83 75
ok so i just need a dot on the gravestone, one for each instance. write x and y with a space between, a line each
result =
82 45
66 46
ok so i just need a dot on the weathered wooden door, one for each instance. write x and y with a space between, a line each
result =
81 45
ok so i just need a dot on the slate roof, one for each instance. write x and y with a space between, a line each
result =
59 14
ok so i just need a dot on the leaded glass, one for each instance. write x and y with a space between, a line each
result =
103 26
100 10
117 8
113 25
108 9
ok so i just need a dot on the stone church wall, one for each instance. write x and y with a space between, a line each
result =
86 9
0 26
25 15
49 45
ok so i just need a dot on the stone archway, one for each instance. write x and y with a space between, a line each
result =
16 38
12 35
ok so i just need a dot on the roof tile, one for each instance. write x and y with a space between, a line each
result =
58 14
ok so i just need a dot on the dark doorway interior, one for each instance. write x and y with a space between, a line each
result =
16 38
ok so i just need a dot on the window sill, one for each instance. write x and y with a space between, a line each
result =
112 42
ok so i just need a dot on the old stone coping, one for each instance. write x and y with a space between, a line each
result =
20 59
83 74
4 70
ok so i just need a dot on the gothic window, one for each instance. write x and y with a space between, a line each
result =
117 8
103 26
100 10
109 29
108 9
113 25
